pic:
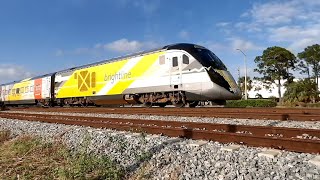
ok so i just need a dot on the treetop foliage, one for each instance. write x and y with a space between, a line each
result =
275 63
310 58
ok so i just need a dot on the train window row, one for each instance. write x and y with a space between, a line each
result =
21 90
185 60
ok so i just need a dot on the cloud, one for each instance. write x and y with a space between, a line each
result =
250 27
280 13
239 43
298 37
214 46
59 52
295 23
124 45
118 46
223 24
82 51
147 6
231 45
183 34
11 72
273 13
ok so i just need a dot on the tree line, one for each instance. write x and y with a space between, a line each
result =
277 64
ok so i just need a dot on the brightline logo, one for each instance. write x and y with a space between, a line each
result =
117 76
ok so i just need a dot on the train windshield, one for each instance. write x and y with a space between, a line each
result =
208 59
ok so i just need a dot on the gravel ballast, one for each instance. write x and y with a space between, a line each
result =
170 158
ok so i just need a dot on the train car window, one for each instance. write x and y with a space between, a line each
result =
13 91
162 60
174 61
31 88
208 59
185 59
22 90
26 89
18 91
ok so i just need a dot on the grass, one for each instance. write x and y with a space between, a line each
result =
27 157
4 136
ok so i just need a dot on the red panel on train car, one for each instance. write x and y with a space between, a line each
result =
37 89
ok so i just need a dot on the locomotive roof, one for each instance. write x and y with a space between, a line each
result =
37 77
182 46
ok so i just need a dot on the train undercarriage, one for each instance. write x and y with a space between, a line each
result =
161 99
156 99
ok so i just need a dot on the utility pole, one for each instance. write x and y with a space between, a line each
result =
245 74
239 72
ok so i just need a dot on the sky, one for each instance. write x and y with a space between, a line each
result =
39 37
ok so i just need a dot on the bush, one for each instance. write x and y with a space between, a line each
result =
313 105
302 91
251 103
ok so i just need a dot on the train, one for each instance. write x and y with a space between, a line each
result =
180 74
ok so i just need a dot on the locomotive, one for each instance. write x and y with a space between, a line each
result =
178 74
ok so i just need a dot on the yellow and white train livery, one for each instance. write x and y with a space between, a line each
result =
177 74
27 91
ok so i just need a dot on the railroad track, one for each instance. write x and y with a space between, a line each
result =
296 114
292 139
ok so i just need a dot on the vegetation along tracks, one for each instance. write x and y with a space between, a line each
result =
292 139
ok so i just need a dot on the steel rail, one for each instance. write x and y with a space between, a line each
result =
224 133
255 130
244 113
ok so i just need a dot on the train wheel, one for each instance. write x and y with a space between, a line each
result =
2 107
193 104
179 104
147 104
162 105
179 100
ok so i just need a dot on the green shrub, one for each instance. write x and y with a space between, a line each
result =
304 90
251 103
313 105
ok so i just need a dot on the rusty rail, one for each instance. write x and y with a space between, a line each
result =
296 114
276 137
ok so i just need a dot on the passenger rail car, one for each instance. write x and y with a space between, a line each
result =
27 91
177 74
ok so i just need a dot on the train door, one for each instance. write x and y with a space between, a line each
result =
46 87
175 70
37 89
